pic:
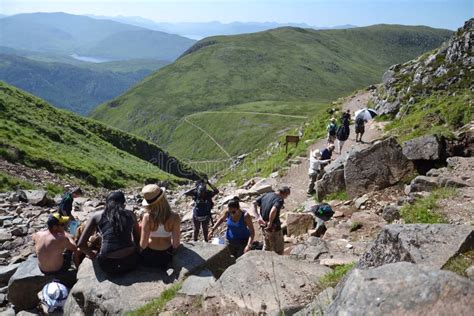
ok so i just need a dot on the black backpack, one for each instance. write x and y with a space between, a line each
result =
359 121
332 129
323 211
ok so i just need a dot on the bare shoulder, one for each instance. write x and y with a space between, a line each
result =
175 218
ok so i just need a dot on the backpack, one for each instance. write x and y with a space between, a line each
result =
323 211
332 129
359 121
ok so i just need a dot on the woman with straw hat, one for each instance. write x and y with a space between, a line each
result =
161 228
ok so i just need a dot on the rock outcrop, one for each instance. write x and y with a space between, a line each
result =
431 245
403 289
425 148
299 223
377 167
267 283
333 179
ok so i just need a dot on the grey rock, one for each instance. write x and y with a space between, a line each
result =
388 107
4 254
403 289
428 244
20 230
197 284
311 250
319 305
6 272
425 148
377 167
391 212
361 201
280 283
5 235
470 272
299 223
423 184
28 280
6 218
452 182
36 197
332 180
8 312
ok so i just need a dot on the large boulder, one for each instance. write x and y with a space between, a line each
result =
36 197
263 186
332 180
425 148
431 245
319 305
6 272
28 280
299 223
267 283
377 167
422 184
403 289
100 294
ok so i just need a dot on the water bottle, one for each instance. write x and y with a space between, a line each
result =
73 227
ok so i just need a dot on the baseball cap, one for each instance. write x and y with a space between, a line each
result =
57 219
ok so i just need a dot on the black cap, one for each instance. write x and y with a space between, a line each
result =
116 196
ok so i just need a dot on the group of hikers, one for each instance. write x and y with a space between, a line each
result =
320 158
119 242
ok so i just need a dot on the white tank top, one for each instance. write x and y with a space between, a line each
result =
160 232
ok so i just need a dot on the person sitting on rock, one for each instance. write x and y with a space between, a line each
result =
316 165
160 228
240 231
270 205
202 208
65 206
119 231
54 247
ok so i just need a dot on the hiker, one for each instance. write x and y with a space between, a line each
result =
119 231
65 206
240 231
332 129
54 247
270 205
323 213
161 228
316 166
203 205
343 131
359 128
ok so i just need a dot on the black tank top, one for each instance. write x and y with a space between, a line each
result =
112 241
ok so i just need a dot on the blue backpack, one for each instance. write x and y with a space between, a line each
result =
323 211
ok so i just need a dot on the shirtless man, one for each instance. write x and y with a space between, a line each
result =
54 247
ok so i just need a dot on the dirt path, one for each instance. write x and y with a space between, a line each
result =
297 175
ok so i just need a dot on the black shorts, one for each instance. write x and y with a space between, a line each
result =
118 265
157 258
360 129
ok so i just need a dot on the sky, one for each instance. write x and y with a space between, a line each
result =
435 13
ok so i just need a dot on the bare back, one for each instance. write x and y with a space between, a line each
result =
49 248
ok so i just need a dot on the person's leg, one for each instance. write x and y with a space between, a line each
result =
197 225
278 242
312 180
341 144
267 243
205 228
361 133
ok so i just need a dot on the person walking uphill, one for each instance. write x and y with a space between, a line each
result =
65 206
332 129
161 228
269 218
240 231
316 165
343 130
202 208
119 230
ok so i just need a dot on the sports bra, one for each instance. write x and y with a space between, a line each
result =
160 232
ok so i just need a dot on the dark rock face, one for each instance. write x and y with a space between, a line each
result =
28 280
431 245
377 167
425 148
391 213
333 178
403 289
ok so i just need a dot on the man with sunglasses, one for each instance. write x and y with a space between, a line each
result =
270 205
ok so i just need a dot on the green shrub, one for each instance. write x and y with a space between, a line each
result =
9 183
332 278
460 263
156 306
424 209
340 196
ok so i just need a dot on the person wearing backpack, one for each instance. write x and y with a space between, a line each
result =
343 131
323 213
332 129
316 165
203 205
359 128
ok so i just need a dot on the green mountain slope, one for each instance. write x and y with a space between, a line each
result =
66 34
78 89
34 133
285 64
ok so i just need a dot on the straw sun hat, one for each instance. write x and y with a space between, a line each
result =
152 194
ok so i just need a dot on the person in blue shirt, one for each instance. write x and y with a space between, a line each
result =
203 205
240 231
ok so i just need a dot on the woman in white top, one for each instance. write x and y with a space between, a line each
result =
160 228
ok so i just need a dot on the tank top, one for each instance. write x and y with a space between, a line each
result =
237 230
160 232
112 241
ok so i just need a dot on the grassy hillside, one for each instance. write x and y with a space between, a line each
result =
34 133
286 64
78 89
66 34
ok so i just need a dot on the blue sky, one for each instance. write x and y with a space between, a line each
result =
436 13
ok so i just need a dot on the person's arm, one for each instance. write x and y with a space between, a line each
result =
68 243
249 223
191 192
215 191
145 235
256 214
272 216
221 219
90 228
176 233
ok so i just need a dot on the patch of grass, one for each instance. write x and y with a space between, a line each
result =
355 226
156 306
9 183
424 209
340 196
460 263
53 189
332 278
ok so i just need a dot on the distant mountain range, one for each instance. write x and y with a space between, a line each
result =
67 34
274 71
199 30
